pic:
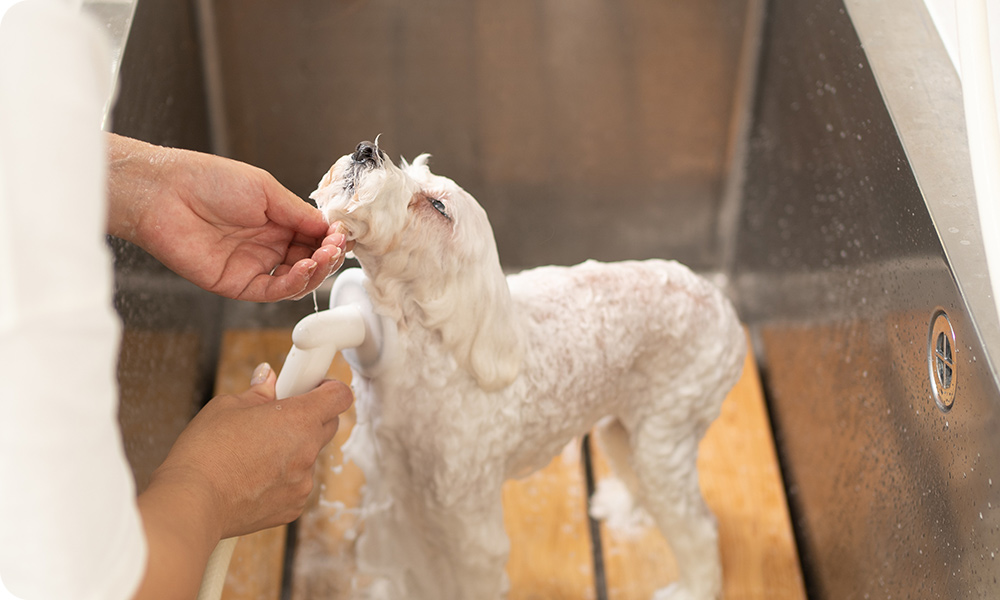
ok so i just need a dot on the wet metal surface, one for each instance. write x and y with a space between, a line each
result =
841 269
592 129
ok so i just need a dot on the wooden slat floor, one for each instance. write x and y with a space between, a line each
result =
545 513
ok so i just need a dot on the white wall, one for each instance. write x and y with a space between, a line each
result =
982 112
943 14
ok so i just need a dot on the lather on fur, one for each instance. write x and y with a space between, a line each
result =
491 376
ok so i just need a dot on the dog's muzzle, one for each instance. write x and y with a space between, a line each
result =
368 154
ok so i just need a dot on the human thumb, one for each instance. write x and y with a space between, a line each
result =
263 381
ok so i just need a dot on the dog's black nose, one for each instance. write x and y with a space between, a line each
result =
365 152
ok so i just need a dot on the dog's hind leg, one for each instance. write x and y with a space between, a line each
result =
613 439
664 456
616 499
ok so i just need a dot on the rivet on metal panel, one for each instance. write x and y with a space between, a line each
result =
941 363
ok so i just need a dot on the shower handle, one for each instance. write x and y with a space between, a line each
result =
316 340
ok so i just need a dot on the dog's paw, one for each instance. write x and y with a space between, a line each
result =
613 504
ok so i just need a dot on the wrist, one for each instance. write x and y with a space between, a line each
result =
186 503
182 530
134 170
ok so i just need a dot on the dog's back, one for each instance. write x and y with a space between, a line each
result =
628 339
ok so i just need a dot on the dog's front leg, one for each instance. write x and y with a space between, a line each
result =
465 519
432 536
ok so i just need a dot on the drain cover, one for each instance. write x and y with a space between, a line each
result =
941 364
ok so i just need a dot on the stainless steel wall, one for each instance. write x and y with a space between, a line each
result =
840 269
588 129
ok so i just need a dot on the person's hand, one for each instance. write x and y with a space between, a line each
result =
224 225
244 463
253 455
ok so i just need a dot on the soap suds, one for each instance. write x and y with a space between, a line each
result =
613 504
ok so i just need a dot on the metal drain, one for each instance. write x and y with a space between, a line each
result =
941 363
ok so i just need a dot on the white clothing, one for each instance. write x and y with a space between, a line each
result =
69 525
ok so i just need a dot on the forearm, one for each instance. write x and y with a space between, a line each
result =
224 225
134 177
181 532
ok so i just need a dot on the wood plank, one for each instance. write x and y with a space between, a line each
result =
741 481
255 570
545 515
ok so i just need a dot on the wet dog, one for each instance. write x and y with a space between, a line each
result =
489 377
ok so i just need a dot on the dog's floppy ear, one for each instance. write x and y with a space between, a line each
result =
465 296
495 352
482 335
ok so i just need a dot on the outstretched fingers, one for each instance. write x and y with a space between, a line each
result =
284 283
301 273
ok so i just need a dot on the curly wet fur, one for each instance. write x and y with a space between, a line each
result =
491 376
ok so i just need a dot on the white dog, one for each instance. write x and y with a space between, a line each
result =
490 376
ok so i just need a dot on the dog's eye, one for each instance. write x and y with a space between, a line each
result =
438 206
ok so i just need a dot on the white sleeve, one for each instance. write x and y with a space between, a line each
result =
69 526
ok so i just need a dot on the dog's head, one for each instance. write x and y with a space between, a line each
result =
428 250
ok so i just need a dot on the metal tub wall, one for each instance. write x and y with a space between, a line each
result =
840 269
592 129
